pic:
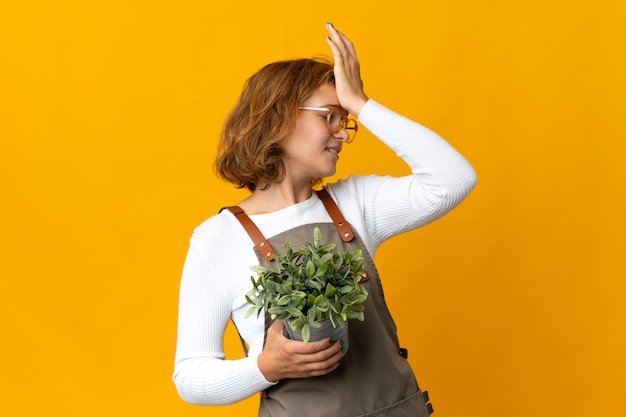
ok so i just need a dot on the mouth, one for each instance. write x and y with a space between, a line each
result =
333 150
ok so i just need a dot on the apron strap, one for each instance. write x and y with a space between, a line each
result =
257 237
340 222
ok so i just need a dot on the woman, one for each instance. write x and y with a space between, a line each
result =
284 135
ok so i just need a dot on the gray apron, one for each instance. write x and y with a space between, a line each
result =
374 378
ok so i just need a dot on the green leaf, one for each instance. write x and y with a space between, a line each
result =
315 324
284 300
258 269
321 270
276 310
295 312
310 300
317 236
306 333
319 300
359 299
327 247
250 312
312 314
298 295
316 284
330 290
346 289
310 269
297 272
339 261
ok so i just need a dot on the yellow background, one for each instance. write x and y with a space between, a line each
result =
512 305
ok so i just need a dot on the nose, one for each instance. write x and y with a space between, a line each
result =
342 135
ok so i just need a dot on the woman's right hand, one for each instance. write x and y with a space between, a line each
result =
347 71
284 358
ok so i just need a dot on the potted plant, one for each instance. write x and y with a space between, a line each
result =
313 289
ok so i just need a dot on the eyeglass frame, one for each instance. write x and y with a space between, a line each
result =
343 125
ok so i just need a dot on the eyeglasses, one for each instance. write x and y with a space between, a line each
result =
337 119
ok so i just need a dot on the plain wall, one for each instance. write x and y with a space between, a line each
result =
512 305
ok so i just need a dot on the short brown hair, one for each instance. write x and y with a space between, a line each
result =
249 151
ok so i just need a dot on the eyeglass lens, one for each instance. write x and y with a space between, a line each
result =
338 119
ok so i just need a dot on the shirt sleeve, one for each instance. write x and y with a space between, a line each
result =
202 375
440 177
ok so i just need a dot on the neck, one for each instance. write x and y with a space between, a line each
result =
276 197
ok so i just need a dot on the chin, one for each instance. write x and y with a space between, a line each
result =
329 173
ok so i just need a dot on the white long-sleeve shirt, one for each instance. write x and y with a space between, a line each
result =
216 274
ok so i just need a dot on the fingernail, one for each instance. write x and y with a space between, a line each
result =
342 342
331 23
331 341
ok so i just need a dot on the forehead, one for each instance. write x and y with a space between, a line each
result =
326 95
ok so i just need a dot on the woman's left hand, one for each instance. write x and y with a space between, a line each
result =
348 82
